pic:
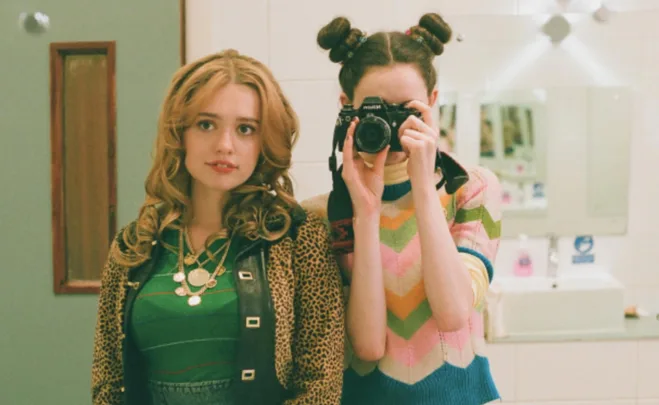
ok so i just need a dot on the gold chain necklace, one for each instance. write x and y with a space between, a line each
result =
196 276
193 256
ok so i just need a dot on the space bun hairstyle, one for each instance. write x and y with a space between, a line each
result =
357 52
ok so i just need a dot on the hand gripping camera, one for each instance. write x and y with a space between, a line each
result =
378 127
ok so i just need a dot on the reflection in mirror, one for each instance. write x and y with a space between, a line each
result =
545 144
448 110
508 133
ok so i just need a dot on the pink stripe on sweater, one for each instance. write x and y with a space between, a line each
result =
399 263
410 352
458 339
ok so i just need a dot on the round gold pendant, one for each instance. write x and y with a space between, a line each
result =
198 277
211 283
194 300
189 259
180 292
179 277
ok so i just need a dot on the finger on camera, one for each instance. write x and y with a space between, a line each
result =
414 123
380 159
348 154
426 114
418 135
406 142
424 109
410 143
422 126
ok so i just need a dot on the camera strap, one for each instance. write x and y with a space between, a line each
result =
339 203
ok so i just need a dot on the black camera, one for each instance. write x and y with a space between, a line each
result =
378 125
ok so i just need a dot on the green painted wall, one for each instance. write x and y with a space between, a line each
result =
46 340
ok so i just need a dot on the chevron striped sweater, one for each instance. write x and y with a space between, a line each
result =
423 366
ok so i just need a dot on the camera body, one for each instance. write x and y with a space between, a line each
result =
378 125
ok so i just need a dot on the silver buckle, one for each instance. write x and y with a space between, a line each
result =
245 275
248 375
253 322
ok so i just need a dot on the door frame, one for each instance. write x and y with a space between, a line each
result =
182 47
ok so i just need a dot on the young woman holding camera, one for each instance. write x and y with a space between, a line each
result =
416 239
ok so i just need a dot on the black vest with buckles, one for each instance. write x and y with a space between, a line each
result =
256 380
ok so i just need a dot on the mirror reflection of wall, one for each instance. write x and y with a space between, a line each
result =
508 146
544 144
448 110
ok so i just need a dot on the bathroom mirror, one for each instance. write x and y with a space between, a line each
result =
512 144
558 152
448 110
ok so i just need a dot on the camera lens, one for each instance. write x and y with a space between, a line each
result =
373 134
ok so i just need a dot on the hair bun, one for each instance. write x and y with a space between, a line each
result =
434 30
339 38
436 25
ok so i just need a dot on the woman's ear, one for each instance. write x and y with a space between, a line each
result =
433 98
343 99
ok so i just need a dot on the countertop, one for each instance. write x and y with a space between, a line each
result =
635 329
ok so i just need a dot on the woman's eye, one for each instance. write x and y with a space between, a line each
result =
246 129
206 125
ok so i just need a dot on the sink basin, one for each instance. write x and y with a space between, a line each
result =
571 304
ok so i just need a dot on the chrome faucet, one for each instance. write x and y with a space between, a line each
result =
552 259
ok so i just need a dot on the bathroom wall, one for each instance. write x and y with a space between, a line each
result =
577 373
46 340
621 52
282 33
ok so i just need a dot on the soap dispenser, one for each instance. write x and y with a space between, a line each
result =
523 264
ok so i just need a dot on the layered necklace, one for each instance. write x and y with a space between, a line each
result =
198 277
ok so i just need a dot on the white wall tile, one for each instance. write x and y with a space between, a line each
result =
317 104
199 28
294 26
533 7
648 365
645 297
629 25
502 364
221 24
599 402
310 179
408 12
576 371
642 273
633 5
644 193
530 7
474 7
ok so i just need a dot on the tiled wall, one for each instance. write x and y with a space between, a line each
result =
282 33
587 373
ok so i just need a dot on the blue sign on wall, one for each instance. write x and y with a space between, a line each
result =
584 250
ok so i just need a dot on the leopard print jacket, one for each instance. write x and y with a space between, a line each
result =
306 292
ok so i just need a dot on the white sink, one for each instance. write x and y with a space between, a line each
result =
572 304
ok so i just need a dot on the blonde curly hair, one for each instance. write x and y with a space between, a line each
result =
259 208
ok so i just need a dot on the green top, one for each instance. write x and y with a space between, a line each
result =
183 343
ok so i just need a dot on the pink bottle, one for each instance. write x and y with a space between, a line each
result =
523 266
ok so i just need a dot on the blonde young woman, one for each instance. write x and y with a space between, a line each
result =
224 290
